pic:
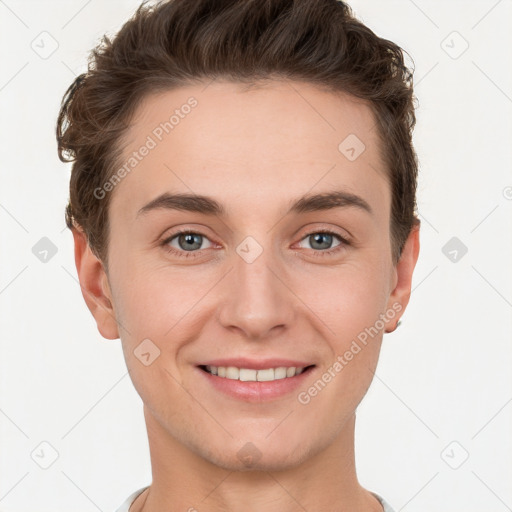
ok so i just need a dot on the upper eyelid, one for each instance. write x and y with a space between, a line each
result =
325 231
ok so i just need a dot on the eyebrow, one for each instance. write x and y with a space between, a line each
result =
209 206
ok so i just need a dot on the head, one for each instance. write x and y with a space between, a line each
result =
253 126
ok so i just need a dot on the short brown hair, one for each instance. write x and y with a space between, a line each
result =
177 43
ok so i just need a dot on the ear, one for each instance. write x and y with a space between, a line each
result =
404 268
95 287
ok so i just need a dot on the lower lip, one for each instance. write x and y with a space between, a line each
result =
253 391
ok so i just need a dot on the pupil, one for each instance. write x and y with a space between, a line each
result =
318 238
190 239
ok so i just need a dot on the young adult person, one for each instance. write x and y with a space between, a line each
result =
242 202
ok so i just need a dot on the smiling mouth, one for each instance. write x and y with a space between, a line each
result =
251 375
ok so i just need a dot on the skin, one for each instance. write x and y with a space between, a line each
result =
254 151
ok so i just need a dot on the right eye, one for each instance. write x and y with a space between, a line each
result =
184 243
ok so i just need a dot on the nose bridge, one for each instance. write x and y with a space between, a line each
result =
257 300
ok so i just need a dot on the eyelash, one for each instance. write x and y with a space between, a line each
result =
193 254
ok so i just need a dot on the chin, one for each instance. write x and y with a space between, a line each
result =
275 463
255 456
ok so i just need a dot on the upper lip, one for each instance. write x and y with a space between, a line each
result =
256 364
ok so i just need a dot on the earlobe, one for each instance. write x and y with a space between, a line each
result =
399 297
94 285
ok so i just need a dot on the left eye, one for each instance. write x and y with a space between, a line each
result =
322 240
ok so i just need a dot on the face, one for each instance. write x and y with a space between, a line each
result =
267 274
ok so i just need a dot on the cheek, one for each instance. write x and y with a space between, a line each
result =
147 309
150 299
349 304
347 299
158 310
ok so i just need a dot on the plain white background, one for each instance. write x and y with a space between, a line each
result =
433 432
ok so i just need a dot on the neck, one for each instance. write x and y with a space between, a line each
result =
183 480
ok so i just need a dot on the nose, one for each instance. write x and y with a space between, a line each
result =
257 301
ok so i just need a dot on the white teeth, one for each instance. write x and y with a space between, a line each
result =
290 372
232 373
247 374
266 375
280 373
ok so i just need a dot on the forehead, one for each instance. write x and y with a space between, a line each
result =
271 142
